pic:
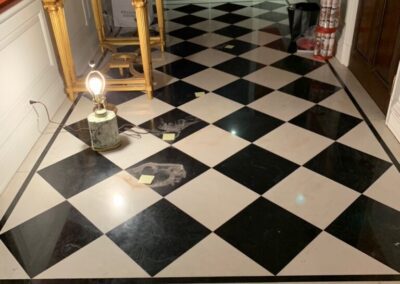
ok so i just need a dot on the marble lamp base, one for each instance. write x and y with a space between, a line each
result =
103 130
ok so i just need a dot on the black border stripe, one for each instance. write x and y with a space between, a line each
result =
366 119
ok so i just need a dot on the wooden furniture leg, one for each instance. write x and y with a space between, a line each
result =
161 22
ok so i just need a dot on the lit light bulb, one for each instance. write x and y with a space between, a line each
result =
95 86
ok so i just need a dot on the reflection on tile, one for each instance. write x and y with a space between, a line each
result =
254 24
171 169
326 122
372 228
210 57
268 5
272 16
188 20
256 168
177 93
312 197
232 31
101 258
210 107
210 79
117 98
213 257
186 33
259 38
49 237
294 143
272 77
209 26
239 66
190 9
297 64
175 121
154 245
207 147
283 44
235 47
229 7
181 68
327 255
210 39
230 18
201 198
120 197
243 91
248 123
250 11
264 55
278 29
185 48
268 234
348 166
309 89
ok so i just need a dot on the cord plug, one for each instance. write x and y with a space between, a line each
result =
32 102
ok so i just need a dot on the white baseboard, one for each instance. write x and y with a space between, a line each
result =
393 121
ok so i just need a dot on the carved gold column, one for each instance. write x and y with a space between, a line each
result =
160 21
55 10
144 42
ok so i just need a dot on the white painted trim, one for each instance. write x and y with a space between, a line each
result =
393 115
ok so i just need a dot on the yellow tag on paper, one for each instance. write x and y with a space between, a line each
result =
146 179
168 136
229 46
199 94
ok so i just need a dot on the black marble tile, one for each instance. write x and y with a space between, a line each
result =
189 9
182 68
230 18
371 227
273 16
248 123
78 172
114 73
238 48
268 234
175 121
282 44
229 7
80 129
188 20
177 93
326 122
277 29
268 5
232 31
243 91
350 167
239 66
185 48
49 237
256 168
120 97
171 168
158 235
297 64
310 89
187 33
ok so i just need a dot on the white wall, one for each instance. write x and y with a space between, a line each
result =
28 70
393 116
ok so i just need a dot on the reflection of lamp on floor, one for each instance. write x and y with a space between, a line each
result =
103 125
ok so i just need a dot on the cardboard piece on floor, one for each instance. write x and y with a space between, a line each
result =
168 136
146 179
199 94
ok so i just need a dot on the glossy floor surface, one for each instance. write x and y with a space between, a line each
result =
272 173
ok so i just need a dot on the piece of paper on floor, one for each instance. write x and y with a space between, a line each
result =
146 179
168 136
199 94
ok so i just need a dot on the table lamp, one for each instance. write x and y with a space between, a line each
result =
103 127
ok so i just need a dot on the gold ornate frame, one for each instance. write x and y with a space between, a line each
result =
140 81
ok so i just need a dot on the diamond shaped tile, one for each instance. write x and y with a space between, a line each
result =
159 58
297 64
294 143
268 234
229 7
210 25
282 44
210 57
264 55
211 145
210 39
277 29
327 122
211 107
175 121
154 245
182 68
259 38
232 31
120 197
235 47
10 268
230 18
348 166
188 20
177 93
254 24
171 169
47 238
248 123
243 91
186 33
281 105
239 66
340 101
117 98
190 9
267 5
272 77
210 79
78 172
310 89
273 16
185 48
374 230
312 197
250 11
256 168
324 74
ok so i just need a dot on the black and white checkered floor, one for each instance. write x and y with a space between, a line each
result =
273 172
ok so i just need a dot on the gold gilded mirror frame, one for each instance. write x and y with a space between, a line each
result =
73 84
